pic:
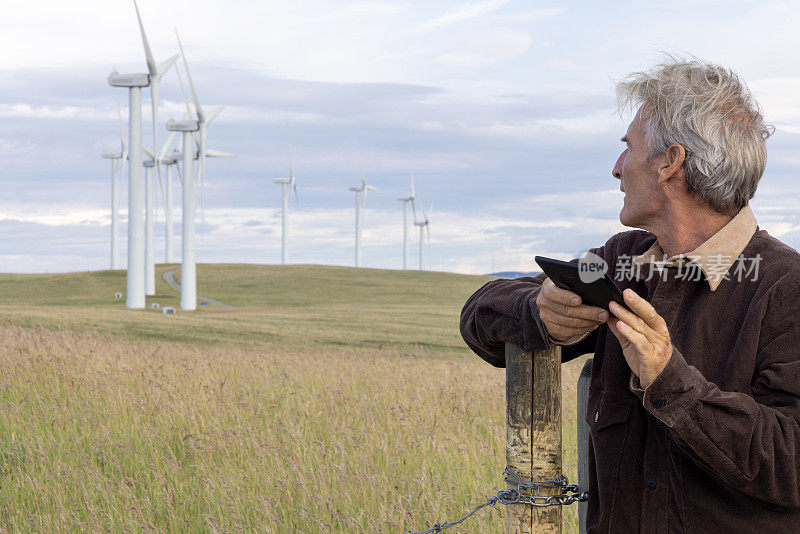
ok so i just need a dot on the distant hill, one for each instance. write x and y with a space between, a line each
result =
512 274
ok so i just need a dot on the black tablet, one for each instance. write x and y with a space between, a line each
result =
594 288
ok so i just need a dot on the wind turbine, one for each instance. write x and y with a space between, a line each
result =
188 128
424 227
200 136
156 73
115 157
166 194
135 275
361 203
169 160
286 183
189 201
117 164
405 201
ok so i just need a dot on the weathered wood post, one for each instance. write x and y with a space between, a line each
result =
533 425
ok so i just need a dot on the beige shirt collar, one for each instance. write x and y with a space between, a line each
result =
716 256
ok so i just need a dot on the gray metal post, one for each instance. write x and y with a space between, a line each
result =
583 439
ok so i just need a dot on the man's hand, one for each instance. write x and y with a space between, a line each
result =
566 319
643 335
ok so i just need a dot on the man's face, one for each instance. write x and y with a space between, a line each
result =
638 178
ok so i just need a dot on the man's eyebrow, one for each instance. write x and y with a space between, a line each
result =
624 139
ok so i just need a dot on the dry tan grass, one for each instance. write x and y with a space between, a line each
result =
100 434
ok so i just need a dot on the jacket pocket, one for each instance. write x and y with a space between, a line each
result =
608 417
603 410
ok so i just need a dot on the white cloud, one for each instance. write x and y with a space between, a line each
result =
55 214
28 111
778 98
532 15
487 47
461 13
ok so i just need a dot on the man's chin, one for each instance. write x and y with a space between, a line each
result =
626 219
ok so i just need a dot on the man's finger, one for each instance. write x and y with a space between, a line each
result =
629 317
612 325
568 321
557 294
590 313
634 337
645 310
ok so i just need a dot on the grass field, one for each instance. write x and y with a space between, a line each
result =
329 400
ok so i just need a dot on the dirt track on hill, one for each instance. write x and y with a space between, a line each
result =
169 277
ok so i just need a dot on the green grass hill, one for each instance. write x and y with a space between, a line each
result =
293 305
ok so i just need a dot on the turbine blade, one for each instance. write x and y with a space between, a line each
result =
120 128
291 167
198 109
201 159
180 172
428 231
183 90
211 153
154 90
165 148
412 185
122 165
361 167
147 151
151 63
166 65
163 193
213 114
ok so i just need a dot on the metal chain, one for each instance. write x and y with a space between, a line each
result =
523 493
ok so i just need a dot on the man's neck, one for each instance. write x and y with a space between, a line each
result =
683 229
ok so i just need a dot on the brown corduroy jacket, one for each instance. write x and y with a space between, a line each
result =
713 444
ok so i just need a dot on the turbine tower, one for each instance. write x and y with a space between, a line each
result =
135 275
115 158
286 183
173 158
117 169
361 203
189 201
405 201
166 194
424 227
190 128
149 258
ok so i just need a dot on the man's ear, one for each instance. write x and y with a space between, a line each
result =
672 163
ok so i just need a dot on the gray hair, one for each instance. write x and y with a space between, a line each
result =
708 110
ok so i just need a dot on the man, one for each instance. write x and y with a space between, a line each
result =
694 403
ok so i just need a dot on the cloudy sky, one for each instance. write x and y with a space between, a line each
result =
503 109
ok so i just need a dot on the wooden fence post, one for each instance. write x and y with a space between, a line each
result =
533 426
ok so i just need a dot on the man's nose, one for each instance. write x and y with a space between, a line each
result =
616 172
